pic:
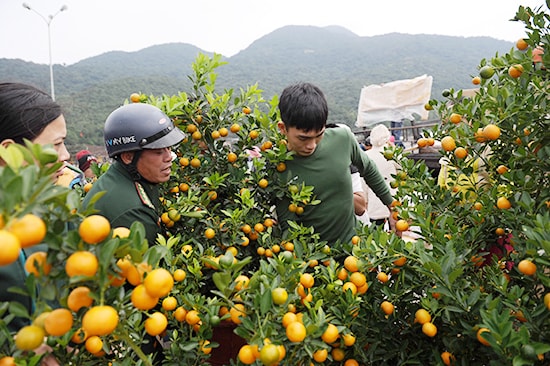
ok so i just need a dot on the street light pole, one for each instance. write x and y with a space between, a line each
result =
48 21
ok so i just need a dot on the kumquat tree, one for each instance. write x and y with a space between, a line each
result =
226 286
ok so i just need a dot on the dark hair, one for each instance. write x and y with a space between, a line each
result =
25 111
304 107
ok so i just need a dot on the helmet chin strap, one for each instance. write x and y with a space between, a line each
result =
132 166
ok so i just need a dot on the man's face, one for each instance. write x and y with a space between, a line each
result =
155 165
301 142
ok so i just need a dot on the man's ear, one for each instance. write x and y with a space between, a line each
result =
282 127
127 157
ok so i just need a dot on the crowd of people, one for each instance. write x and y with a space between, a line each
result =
353 185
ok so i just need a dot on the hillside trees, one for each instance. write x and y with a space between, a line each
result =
341 64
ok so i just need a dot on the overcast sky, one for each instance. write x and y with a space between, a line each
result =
92 27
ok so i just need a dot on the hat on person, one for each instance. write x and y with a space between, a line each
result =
85 159
380 135
368 142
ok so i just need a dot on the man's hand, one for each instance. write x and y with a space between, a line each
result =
392 222
47 360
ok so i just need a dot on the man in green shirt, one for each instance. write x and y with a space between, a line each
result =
138 137
322 157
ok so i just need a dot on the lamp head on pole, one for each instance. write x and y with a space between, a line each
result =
48 21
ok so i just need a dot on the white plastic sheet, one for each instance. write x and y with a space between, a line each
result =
394 101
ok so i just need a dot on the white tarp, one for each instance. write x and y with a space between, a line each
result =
394 101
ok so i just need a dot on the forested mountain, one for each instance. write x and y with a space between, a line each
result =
337 60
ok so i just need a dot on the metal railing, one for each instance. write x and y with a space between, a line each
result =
409 133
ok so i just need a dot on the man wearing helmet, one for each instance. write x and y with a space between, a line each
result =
138 137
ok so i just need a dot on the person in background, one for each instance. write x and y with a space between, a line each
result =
359 197
85 159
322 159
28 113
71 177
139 138
366 145
397 132
377 210
78 176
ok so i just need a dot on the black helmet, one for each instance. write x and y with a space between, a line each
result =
139 126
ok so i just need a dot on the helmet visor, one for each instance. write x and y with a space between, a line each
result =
170 136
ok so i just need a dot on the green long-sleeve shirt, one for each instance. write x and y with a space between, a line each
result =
327 170
126 201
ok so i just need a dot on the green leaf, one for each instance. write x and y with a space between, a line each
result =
433 267
541 348
455 274
238 266
474 297
107 250
12 156
194 214
48 156
14 187
155 253
222 281
49 292
520 361
17 309
266 302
